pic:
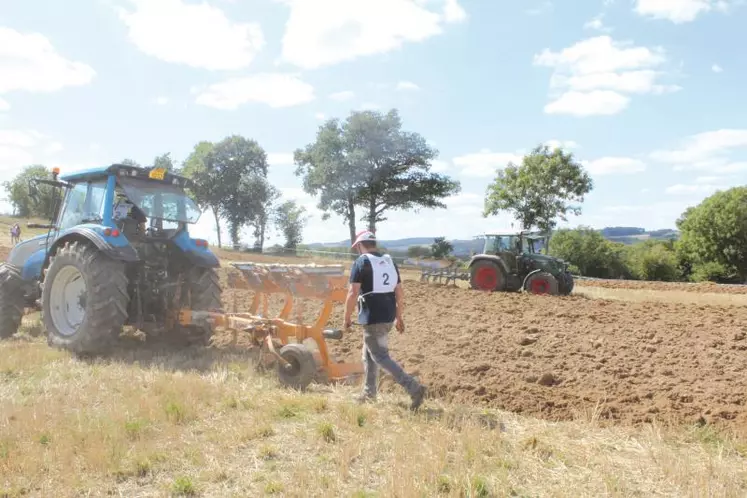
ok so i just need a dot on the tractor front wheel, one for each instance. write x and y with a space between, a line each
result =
486 276
568 284
11 300
84 299
541 283
301 369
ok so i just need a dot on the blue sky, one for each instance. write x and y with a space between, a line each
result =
648 94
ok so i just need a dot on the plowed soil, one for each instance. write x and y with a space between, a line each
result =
4 251
561 358
700 287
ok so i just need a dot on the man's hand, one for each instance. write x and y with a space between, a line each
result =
348 323
399 323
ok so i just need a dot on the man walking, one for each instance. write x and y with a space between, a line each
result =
376 286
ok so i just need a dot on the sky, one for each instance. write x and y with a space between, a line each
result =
648 95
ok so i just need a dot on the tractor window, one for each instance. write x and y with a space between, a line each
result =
76 210
161 200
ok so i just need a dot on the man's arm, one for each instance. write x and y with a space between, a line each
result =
353 290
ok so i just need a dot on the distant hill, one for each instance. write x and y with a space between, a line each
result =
626 235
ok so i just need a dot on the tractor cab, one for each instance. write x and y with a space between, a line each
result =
117 252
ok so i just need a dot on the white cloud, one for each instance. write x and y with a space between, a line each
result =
485 163
439 166
678 11
453 12
342 96
709 151
280 158
596 103
320 116
196 35
29 62
161 100
614 165
593 76
465 204
327 32
596 24
563 144
272 89
717 69
407 85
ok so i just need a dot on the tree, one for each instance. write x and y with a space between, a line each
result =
540 190
290 219
418 251
164 161
715 231
206 191
441 248
47 197
588 251
368 161
235 180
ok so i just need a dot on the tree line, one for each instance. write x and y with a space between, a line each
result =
360 168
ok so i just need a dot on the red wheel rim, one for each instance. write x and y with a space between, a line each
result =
539 286
486 278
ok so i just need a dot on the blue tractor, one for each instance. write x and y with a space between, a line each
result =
117 253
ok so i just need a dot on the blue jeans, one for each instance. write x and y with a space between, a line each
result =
376 354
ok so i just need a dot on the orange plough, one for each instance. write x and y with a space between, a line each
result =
298 350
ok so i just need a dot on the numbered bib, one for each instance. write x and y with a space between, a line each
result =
384 274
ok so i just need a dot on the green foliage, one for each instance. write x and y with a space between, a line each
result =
418 252
589 252
541 189
710 272
290 219
715 231
43 205
653 260
368 161
441 248
164 161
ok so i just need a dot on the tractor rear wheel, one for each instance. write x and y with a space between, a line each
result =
302 368
487 276
11 300
84 299
568 284
205 295
541 283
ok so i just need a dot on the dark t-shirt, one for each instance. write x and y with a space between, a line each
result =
376 308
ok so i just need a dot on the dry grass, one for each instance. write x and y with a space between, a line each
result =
204 423
662 296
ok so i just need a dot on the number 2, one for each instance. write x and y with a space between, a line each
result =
386 278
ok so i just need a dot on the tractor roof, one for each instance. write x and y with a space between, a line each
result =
124 170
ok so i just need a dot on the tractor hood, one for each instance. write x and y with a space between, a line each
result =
548 262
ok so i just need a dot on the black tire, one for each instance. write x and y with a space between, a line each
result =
568 284
541 283
487 276
302 369
106 299
11 300
205 295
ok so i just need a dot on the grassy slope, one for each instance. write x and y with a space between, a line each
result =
207 423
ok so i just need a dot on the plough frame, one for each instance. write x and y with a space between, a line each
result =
279 337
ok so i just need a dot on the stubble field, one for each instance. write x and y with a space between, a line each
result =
621 389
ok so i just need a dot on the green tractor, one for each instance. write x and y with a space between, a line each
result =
513 261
